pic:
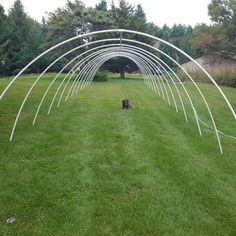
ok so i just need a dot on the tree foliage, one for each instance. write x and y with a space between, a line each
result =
3 40
22 38
180 36
218 39
222 11
20 41
101 6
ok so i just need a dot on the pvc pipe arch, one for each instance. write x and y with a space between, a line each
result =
194 113
172 71
150 65
121 31
17 119
177 89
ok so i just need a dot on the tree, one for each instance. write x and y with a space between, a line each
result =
180 36
72 20
101 6
222 11
22 42
3 25
219 39
21 39
127 16
44 28
26 38
66 22
75 18
153 29
19 28
3 40
31 47
139 19
99 20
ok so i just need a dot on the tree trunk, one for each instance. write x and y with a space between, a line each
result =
122 72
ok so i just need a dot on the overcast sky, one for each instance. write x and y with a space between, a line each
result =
189 12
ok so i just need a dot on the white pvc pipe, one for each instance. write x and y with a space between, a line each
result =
26 98
38 109
176 87
141 34
172 93
172 81
121 31
73 86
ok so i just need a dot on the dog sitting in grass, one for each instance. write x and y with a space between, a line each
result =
126 104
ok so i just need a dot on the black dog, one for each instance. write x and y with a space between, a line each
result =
126 104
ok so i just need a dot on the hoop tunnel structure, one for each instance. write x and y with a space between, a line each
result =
157 74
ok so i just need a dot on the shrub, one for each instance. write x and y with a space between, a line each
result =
222 75
101 76
226 77
182 76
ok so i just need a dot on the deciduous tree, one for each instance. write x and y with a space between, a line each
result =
218 39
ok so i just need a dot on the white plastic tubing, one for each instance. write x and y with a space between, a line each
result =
156 73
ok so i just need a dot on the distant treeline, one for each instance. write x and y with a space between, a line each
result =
22 38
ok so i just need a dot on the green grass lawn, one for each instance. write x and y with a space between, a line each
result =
91 168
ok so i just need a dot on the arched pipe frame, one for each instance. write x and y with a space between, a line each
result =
157 69
190 101
148 71
37 81
150 65
130 46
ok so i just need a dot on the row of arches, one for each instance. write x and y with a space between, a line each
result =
157 74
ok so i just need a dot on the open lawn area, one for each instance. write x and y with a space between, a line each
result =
91 168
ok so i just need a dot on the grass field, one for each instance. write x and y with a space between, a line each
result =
91 168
